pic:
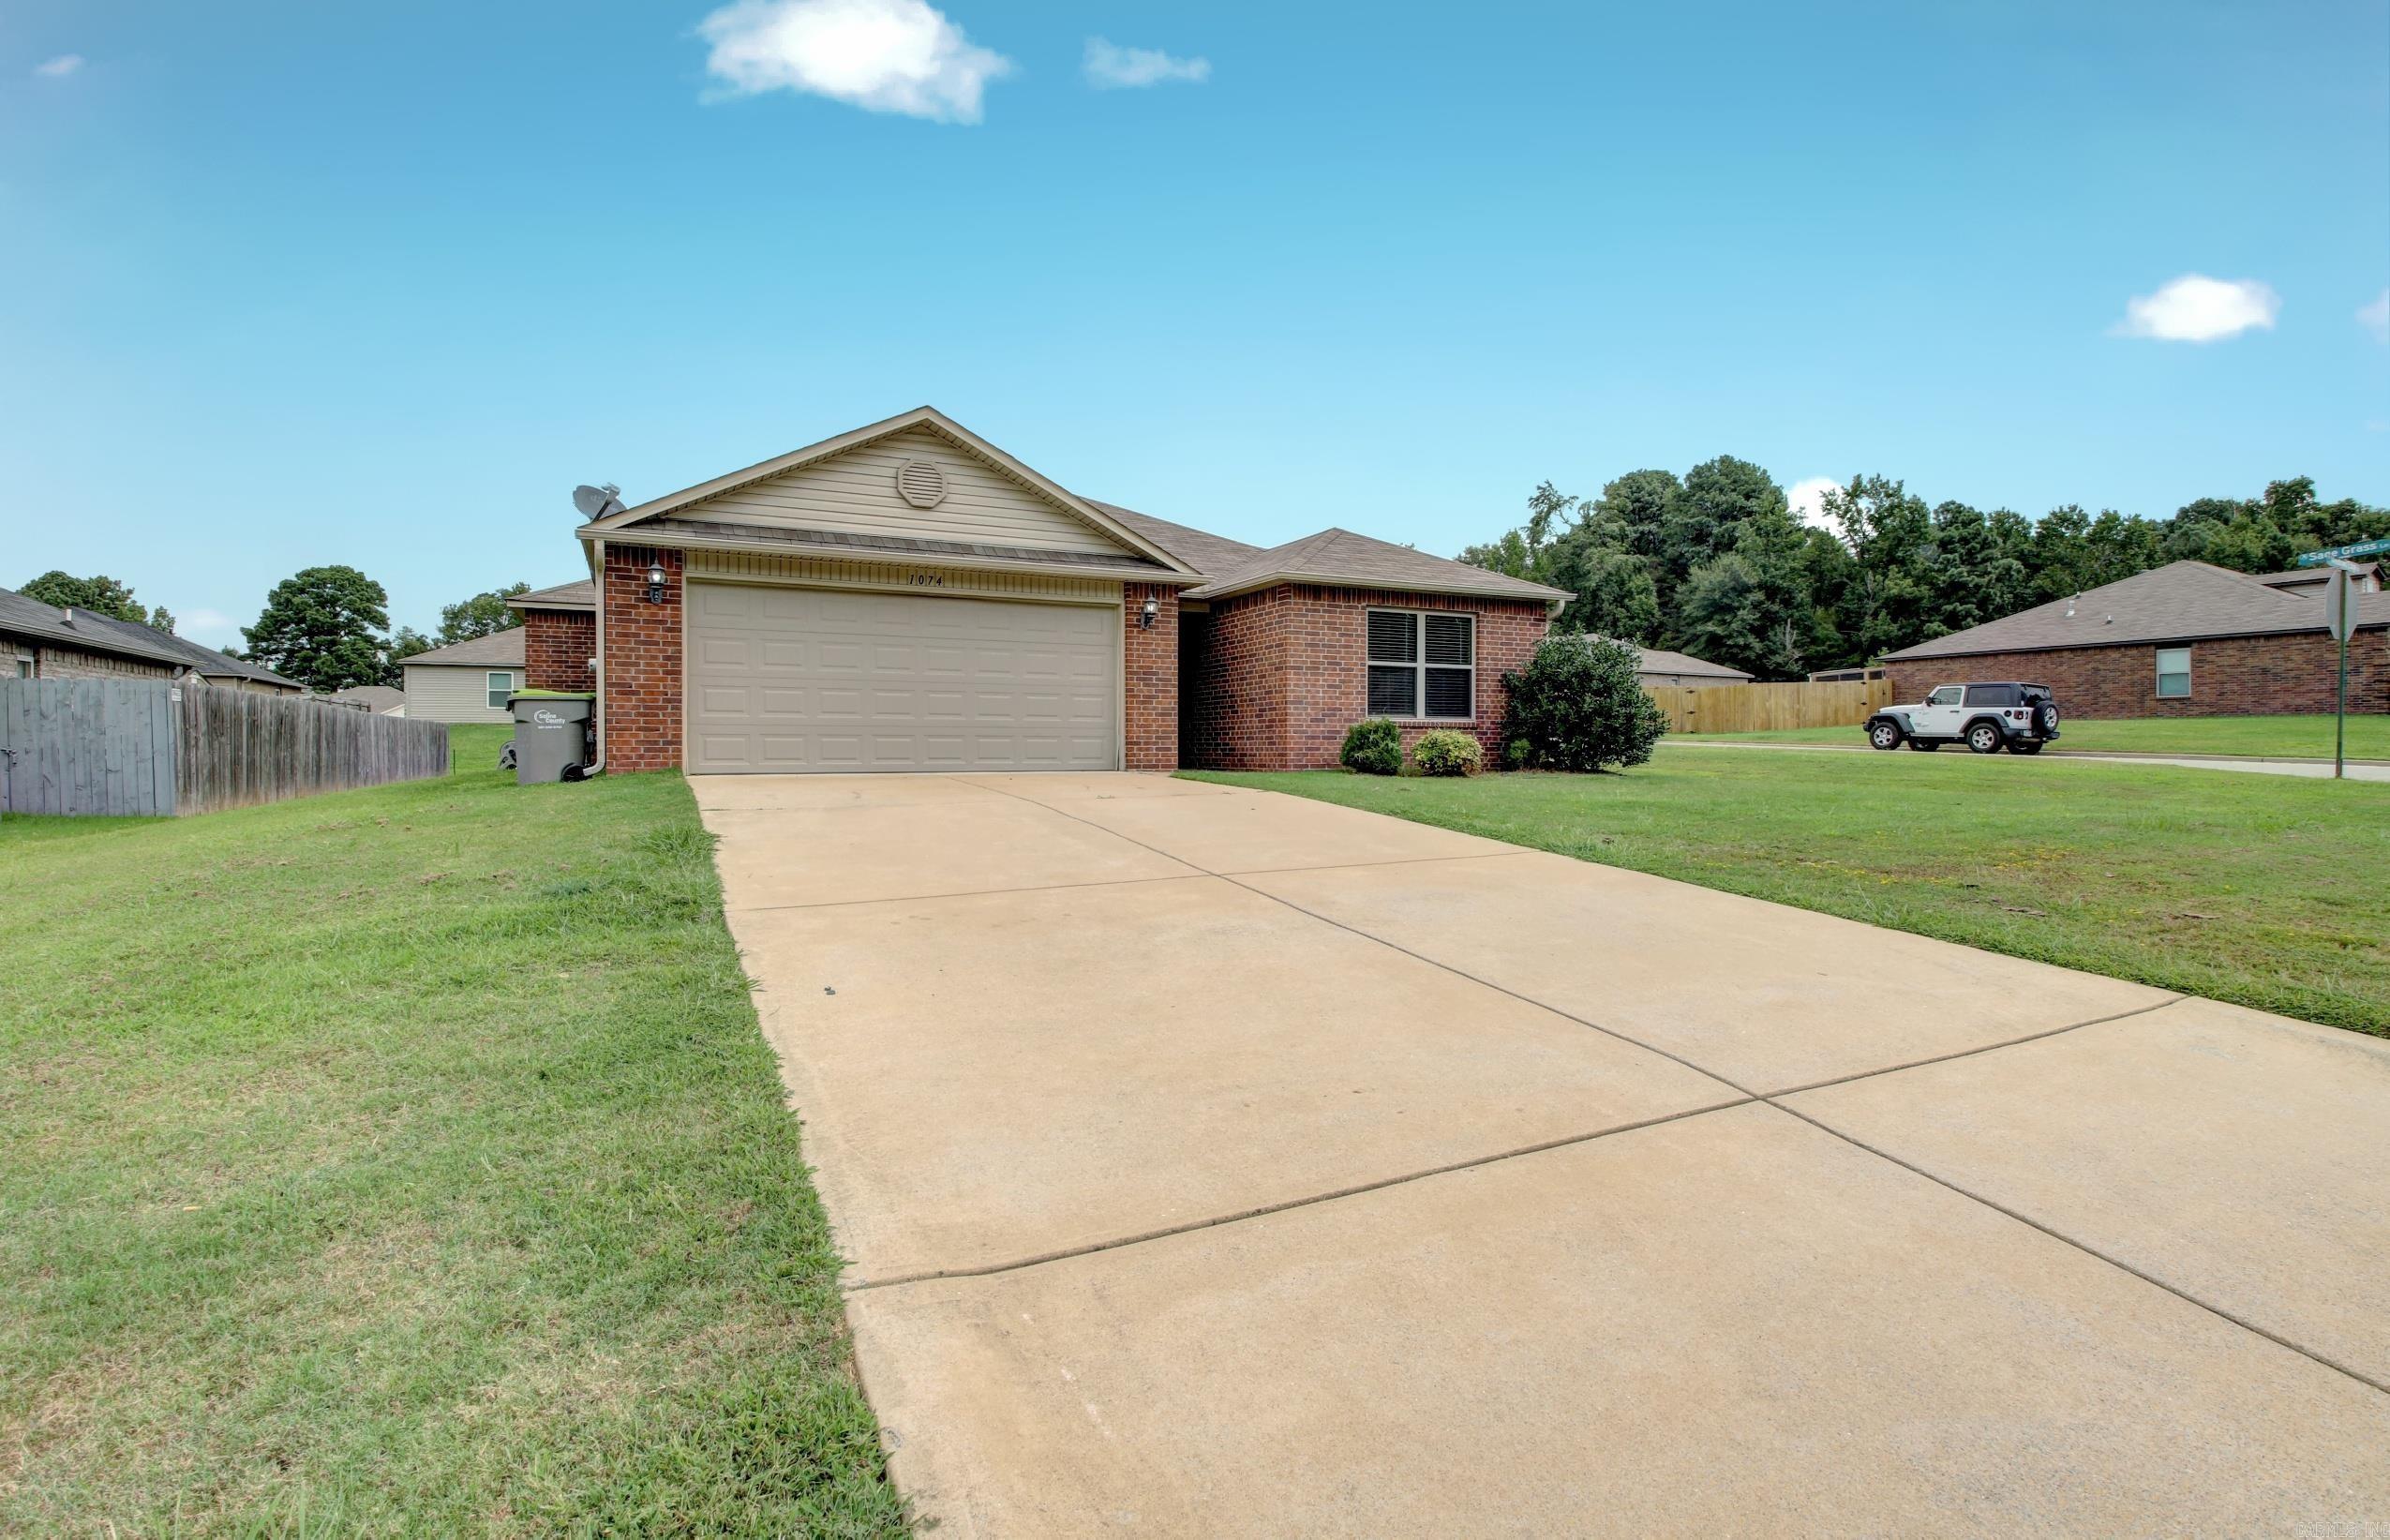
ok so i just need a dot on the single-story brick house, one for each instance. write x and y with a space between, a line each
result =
2185 640
910 597
43 641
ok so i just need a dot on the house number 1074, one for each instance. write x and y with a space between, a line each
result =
927 580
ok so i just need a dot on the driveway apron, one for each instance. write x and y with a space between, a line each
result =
1211 1162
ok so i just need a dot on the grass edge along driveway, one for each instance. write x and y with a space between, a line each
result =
407 1161
2255 890
2220 737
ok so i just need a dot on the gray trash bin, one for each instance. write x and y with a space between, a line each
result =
551 731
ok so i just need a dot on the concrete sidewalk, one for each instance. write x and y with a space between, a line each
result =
1217 1163
2310 768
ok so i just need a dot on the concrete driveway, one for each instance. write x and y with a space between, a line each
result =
1219 1162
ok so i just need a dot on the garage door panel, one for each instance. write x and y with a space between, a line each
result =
796 679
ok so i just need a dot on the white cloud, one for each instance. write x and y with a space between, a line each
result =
1111 67
2197 308
884 55
208 627
65 63
2375 316
1808 499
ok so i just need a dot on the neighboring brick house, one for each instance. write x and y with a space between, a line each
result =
910 597
2186 640
43 641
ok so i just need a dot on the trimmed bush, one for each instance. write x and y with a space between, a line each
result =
1580 705
1517 754
1373 747
1447 752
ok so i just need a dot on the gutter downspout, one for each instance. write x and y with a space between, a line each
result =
597 667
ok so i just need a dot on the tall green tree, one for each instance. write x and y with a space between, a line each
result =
1888 532
100 593
480 616
1750 607
323 627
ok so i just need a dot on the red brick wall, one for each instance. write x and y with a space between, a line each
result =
2230 676
1275 677
1149 677
558 645
642 704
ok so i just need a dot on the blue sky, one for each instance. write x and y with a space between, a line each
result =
295 283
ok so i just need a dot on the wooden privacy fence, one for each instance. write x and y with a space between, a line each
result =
1770 708
156 747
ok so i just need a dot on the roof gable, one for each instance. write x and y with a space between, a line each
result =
799 488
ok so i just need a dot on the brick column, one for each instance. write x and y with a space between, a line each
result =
1149 677
642 705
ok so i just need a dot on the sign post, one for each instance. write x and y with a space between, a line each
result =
2341 618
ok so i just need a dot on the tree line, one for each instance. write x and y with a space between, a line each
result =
327 628
1716 563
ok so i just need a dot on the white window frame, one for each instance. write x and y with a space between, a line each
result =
487 691
1418 663
2164 673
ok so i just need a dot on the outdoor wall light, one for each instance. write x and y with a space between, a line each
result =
1145 616
655 584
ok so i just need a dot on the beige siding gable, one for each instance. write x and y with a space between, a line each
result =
437 692
855 493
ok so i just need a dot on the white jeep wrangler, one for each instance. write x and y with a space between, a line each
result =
1986 718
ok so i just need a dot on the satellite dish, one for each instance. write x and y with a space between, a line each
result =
598 502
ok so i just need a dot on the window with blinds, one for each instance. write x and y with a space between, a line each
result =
1423 665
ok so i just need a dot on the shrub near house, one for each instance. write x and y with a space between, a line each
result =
1578 706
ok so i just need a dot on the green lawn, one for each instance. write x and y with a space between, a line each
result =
2259 736
407 1161
2262 890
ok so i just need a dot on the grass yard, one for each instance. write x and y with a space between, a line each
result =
2256 888
407 1161
2251 737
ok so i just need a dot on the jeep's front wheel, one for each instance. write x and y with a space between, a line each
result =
1885 735
1983 738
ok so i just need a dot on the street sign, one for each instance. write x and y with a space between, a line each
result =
2342 553
2340 605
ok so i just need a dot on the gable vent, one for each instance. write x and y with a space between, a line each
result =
920 484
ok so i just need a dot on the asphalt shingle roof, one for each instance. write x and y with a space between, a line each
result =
1659 660
2182 601
498 649
1340 555
580 595
24 617
207 660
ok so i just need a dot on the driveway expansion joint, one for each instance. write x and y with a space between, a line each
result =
1745 1096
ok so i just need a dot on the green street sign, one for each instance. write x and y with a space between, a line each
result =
2363 547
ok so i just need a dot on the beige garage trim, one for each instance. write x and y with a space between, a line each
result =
791 680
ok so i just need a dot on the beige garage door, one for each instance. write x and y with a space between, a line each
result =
796 679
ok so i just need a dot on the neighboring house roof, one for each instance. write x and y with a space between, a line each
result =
1657 660
2182 601
1340 555
2315 578
41 622
377 698
204 661
925 417
580 595
498 649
